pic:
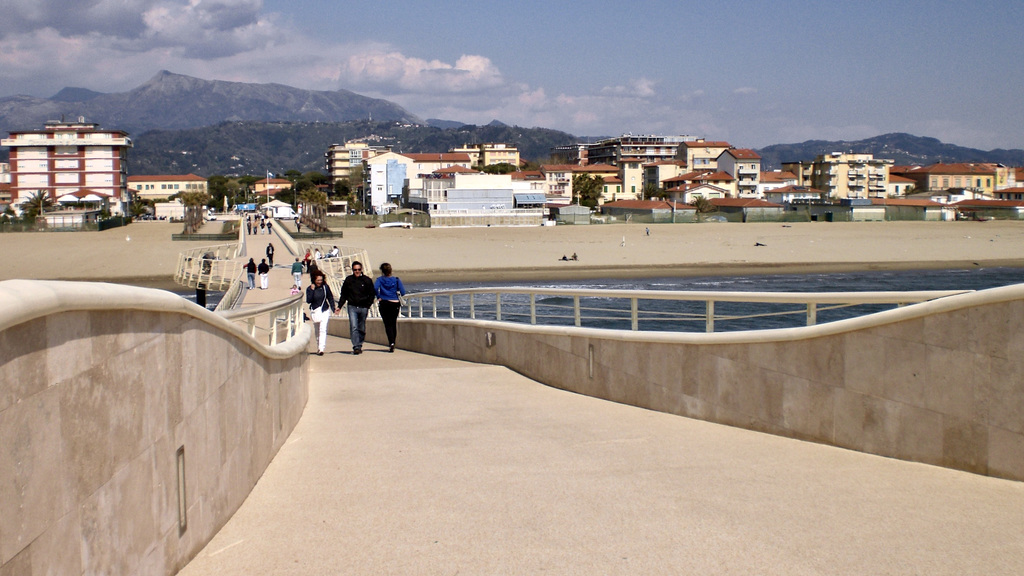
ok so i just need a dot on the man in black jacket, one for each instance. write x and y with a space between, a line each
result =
357 290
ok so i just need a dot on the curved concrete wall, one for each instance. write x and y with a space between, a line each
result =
102 388
940 382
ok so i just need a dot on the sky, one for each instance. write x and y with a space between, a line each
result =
752 73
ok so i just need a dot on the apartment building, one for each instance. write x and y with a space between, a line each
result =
489 154
68 158
163 187
844 175
637 149
656 173
744 165
701 154
342 158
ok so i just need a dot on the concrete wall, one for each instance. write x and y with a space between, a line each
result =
100 387
940 382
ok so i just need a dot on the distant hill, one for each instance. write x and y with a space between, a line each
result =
901 148
443 124
238 148
173 101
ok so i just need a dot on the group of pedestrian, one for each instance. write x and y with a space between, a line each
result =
358 294
263 269
261 225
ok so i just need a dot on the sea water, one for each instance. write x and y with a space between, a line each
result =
665 315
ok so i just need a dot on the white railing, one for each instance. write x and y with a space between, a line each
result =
209 267
273 323
654 309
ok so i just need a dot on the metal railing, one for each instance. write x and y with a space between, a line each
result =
210 267
273 323
654 309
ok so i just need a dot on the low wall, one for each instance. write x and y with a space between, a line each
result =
939 382
134 424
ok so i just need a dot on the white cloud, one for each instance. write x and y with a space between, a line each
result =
398 73
640 87
745 90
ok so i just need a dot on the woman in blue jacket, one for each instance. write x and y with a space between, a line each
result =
388 289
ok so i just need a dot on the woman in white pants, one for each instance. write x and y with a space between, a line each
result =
321 307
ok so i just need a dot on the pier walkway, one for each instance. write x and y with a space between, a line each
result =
411 464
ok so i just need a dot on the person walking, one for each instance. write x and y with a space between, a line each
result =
389 290
264 273
357 291
306 260
321 307
297 272
263 226
250 270
270 254
270 226
248 225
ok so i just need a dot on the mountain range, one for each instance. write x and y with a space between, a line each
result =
174 102
185 124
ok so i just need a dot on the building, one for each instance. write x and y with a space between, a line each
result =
68 157
489 154
163 187
458 198
638 149
980 178
342 158
744 165
773 180
270 186
748 209
844 175
1016 193
656 173
900 185
701 154
792 194
386 181
718 179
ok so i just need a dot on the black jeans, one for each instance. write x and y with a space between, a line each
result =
389 314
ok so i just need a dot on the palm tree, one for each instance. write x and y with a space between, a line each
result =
314 203
194 201
702 204
36 206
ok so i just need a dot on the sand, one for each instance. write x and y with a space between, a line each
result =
144 254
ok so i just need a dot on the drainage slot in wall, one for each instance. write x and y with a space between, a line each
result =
590 359
182 505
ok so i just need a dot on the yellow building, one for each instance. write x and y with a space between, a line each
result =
162 187
489 154
844 175
701 154
342 158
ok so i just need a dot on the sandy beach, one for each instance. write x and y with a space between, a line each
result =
144 254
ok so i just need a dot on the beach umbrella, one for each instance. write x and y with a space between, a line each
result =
68 199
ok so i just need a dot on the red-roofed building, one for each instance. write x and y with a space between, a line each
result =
686 193
791 193
161 187
1016 193
980 178
701 154
656 173
744 165
899 185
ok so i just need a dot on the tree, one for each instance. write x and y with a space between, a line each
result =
587 189
702 204
314 208
194 202
652 191
499 168
36 206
